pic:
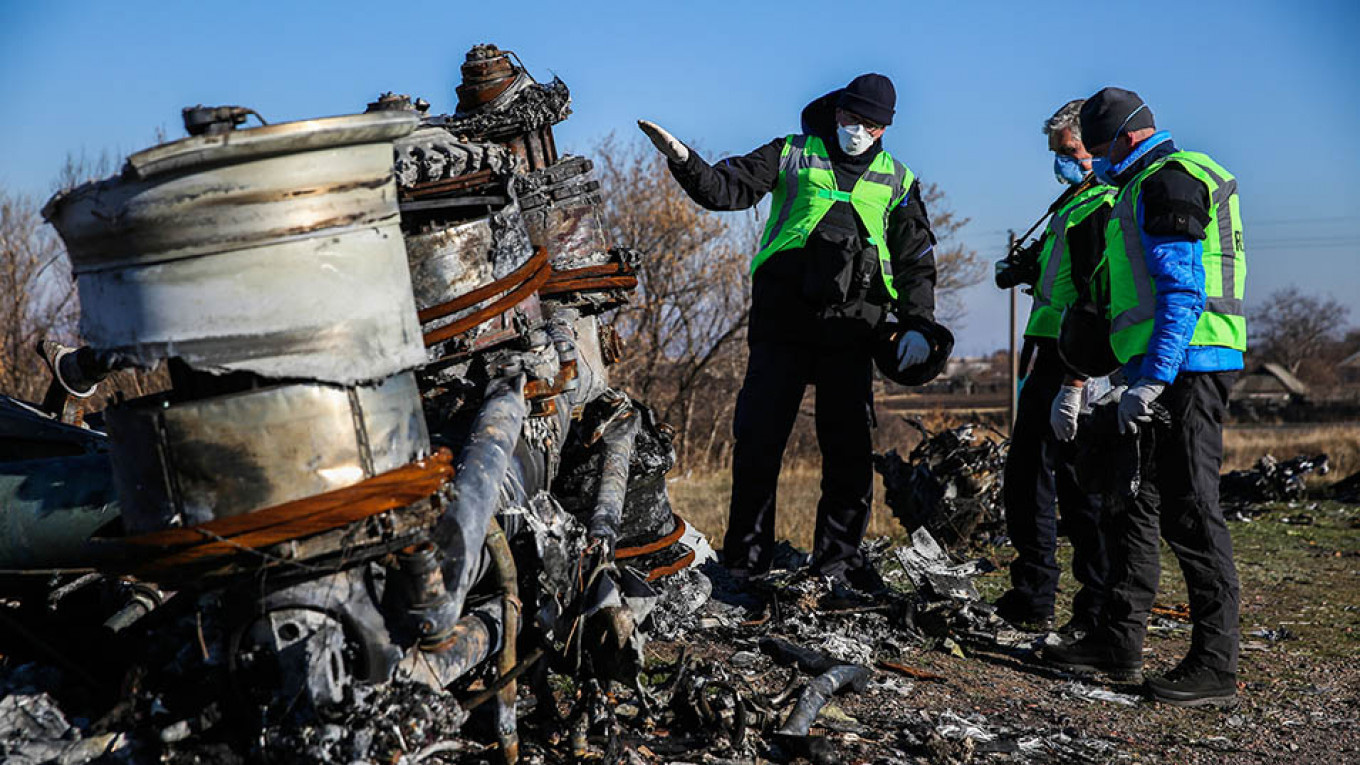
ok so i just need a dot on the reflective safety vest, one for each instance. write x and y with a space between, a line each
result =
1132 293
1055 290
806 189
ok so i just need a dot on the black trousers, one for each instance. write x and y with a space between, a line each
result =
776 375
1040 481
1179 497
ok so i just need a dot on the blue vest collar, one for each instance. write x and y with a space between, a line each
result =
1153 141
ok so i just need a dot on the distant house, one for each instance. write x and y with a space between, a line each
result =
1269 384
1349 369
968 366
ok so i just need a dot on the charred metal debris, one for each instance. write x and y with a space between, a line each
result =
390 484
950 484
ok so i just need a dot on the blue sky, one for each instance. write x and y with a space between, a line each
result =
1270 89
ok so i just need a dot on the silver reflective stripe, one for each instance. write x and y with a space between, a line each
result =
1226 246
1136 255
1226 305
788 165
1059 228
1227 249
873 176
895 182
815 162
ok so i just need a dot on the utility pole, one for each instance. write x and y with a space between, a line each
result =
1014 359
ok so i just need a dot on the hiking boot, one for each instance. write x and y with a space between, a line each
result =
1013 609
1089 656
1009 608
1077 627
1192 684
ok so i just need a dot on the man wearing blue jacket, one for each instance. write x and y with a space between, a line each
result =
1173 278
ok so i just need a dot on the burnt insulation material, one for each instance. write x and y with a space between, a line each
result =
536 106
646 508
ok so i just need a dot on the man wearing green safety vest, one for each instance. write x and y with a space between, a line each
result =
1039 479
848 245
1173 278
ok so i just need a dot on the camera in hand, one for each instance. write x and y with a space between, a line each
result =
1021 266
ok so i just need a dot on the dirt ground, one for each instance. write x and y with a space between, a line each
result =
1299 681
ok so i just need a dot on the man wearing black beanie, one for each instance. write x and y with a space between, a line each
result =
848 245
1173 280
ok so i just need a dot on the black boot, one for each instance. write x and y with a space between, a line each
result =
1192 684
1076 628
1089 655
1015 608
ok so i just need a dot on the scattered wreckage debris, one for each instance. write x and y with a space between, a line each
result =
1271 480
950 484
391 509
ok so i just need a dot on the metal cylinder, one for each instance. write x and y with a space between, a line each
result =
191 462
274 250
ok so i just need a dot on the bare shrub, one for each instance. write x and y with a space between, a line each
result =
37 295
1291 328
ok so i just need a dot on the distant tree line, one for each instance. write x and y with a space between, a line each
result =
1307 334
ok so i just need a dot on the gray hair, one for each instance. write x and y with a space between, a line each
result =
1066 118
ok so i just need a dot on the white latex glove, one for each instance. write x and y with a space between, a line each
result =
665 142
1135 406
1062 417
912 349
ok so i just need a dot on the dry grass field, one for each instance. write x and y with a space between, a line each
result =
1244 444
702 497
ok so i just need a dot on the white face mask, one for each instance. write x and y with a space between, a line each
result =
854 139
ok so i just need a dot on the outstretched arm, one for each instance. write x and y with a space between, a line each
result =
735 183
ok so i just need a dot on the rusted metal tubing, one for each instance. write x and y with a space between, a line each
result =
472 641
515 278
507 577
818 693
461 531
624 553
565 286
502 304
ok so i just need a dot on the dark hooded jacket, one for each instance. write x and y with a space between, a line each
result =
829 291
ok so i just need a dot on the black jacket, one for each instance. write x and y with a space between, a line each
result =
1174 202
1086 246
831 287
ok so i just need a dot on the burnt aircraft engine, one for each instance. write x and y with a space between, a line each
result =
390 450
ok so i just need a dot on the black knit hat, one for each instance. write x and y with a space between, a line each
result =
871 96
1104 113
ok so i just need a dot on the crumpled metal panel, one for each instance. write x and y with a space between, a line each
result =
275 250
188 463
51 507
